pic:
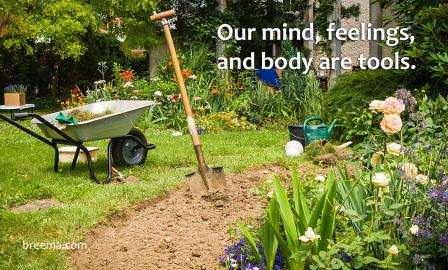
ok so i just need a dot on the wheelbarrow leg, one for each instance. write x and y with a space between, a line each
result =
56 158
90 163
75 158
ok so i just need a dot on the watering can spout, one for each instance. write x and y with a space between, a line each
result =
330 129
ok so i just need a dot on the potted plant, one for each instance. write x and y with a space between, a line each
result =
15 95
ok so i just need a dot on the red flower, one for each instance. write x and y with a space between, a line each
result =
67 100
76 91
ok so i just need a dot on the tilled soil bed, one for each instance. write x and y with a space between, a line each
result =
179 231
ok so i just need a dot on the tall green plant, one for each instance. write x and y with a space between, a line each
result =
312 102
289 217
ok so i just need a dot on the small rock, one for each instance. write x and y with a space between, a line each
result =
123 249
219 203
196 252
168 239
163 246
204 217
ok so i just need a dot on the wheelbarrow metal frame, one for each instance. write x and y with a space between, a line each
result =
67 140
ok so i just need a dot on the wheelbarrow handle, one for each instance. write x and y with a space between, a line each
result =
163 15
20 116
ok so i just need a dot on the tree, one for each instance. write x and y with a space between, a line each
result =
64 24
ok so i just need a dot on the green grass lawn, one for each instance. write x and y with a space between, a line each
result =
26 174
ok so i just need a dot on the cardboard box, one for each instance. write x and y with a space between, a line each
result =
15 99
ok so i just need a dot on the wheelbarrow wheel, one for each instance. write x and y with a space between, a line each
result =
127 152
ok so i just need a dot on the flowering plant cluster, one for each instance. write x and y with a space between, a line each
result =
239 256
389 214
397 207
76 99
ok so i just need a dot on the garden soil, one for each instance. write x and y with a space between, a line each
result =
178 231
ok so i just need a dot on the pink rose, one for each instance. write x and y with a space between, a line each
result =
391 124
393 106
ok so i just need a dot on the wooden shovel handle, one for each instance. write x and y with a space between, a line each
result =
163 15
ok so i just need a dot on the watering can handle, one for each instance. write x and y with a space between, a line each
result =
312 119
163 15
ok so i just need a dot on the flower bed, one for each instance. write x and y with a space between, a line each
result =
391 214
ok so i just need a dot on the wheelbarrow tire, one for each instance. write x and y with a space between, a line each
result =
125 151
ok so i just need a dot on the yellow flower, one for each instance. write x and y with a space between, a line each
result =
422 179
377 158
410 170
394 149
393 250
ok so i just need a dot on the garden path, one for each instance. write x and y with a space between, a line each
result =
178 231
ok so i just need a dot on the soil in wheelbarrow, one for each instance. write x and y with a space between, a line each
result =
177 231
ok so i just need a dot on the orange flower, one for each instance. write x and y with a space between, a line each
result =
215 91
127 75
186 73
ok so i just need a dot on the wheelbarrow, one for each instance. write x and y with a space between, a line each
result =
127 145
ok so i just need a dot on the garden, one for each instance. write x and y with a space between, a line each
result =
321 171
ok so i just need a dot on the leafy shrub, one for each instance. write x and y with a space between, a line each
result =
429 51
229 121
356 89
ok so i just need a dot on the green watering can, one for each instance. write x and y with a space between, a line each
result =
317 132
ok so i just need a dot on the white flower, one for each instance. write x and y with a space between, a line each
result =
422 179
270 194
158 94
176 134
127 85
380 180
410 170
414 229
320 178
393 250
339 207
193 77
169 97
394 149
309 235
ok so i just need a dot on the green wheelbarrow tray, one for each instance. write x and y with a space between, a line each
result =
317 132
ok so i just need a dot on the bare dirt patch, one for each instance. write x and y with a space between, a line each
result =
39 205
176 232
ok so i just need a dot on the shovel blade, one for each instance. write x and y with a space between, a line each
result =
215 178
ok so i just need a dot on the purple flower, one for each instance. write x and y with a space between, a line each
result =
443 240
439 194
406 96
418 259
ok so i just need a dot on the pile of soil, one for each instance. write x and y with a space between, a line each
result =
179 231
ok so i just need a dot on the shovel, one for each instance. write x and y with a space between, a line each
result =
208 179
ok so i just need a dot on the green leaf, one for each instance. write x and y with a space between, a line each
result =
328 213
287 216
270 242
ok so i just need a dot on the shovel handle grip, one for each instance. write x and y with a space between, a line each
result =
163 15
